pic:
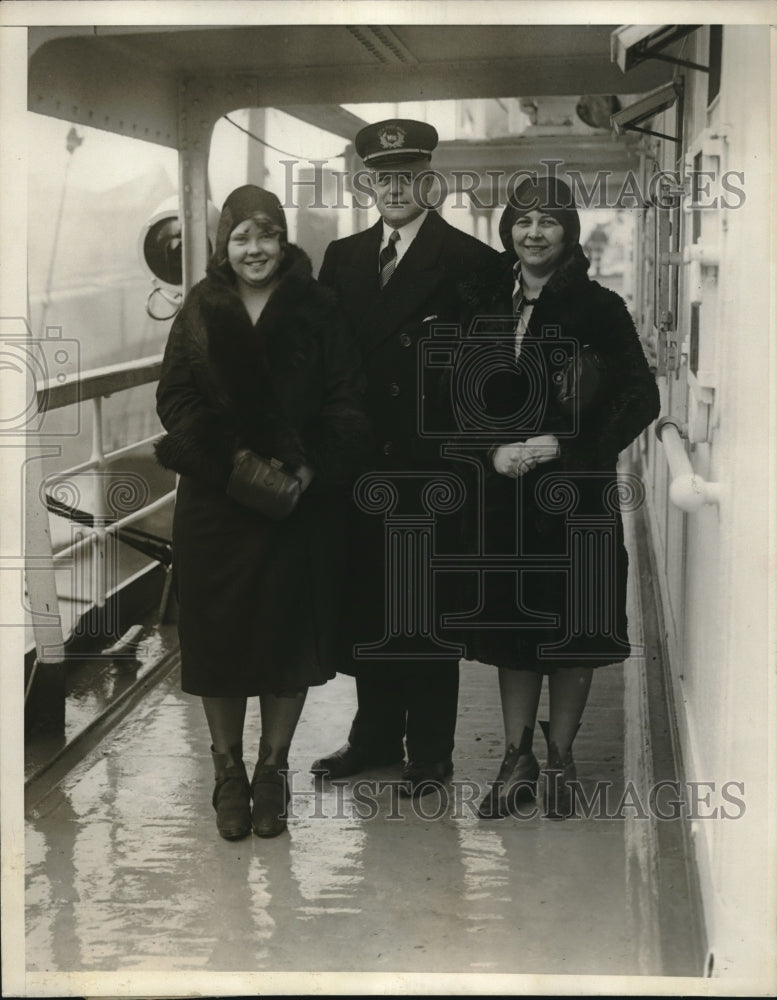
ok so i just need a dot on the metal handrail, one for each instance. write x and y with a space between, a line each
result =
92 386
114 526
53 393
110 456
687 491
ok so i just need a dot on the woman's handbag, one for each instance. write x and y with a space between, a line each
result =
582 382
263 485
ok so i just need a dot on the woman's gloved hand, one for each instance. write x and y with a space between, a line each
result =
305 475
515 459
544 448
511 459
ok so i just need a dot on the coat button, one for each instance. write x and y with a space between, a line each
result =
405 340
394 389
388 447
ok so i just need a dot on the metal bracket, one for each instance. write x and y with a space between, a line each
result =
649 131
678 62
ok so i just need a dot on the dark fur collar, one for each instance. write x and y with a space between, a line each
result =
572 273
221 306
492 286
234 356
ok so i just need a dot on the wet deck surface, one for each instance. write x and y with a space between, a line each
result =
126 871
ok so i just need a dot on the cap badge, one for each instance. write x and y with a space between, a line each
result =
392 137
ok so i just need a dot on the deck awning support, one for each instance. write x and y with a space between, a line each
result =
632 44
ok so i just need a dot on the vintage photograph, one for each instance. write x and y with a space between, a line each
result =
388 499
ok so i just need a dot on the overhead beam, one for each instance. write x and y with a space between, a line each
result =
118 93
382 43
515 77
330 117
108 84
579 152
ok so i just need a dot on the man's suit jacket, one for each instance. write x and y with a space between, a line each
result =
387 324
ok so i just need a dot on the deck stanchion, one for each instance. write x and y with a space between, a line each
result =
99 582
45 687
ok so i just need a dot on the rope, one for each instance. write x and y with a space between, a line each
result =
275 148
173 300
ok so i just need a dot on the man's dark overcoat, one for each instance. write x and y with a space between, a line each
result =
258 598
571 505
403 398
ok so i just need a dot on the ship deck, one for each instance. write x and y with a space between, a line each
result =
126 873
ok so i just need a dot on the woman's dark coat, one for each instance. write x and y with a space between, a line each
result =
562 520
258 598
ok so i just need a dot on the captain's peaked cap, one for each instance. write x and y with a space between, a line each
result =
394 141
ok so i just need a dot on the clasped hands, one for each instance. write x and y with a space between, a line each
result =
304 472
305 475
515 459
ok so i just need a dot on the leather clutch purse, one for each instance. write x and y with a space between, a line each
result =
263 485
583 381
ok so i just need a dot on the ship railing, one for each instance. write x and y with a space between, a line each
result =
687 490
92 388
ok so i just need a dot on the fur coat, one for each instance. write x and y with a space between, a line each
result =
258 598
562 602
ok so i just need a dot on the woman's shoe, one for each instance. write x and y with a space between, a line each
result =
270 793
559 772
232 794
515 783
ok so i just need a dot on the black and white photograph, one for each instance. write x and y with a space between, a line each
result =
388 498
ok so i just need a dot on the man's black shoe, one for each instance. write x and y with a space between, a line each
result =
350 760
422 778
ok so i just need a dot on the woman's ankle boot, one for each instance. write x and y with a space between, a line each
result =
270 792
232 794
559 771
516 781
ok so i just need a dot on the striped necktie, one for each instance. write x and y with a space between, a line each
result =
519 299
388 259
520 303
517 290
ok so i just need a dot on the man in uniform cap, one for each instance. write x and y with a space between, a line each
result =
393 281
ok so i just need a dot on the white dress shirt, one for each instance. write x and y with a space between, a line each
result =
407 234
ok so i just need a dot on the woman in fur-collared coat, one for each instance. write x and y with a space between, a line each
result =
551 498
257 359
